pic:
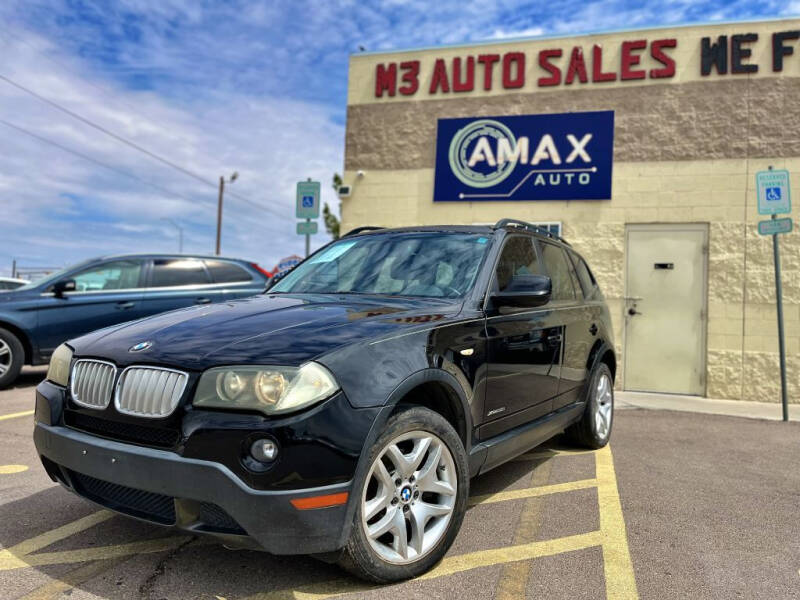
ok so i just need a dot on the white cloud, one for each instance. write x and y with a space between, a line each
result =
502 34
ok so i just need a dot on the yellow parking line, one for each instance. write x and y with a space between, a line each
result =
103 552
11 469
617 565
532 492
449 566
57 587
24 413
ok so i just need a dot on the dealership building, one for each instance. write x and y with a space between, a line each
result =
640 148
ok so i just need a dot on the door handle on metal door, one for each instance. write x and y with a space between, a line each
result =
593 329
125 305
554 340
203 301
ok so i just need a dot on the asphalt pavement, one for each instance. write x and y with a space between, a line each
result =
680 505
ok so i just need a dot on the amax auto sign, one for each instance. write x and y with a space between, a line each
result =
529 157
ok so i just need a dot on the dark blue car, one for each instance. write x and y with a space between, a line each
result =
37 317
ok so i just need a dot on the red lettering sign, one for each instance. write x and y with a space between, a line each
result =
555 72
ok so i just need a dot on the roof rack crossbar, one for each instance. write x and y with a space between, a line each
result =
503 223
358 230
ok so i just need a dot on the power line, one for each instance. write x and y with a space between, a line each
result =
105 92
134 145
113 168
102 129
95 161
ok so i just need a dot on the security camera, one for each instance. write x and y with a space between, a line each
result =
360 173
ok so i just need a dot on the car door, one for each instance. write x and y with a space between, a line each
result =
567 301
178 282
523 346
237 281
106 293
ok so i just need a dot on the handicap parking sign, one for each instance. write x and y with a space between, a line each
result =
307 206
774 193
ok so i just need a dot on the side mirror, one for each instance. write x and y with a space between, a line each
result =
525 291
63 286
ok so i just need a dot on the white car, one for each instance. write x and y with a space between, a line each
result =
9 283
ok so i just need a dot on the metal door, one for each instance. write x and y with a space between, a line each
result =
665 308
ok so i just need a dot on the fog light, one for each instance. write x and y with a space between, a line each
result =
264 450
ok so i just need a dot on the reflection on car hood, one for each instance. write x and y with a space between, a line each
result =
267 329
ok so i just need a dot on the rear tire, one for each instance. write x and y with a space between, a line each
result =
594 428
403 529
12 355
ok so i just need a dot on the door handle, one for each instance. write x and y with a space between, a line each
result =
125 305
203 301
593 329
553 340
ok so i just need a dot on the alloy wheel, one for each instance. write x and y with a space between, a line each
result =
603 406
6 357
409 497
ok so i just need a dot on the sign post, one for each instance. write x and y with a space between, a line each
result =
774 198
307 208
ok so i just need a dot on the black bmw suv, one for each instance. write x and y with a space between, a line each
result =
343 412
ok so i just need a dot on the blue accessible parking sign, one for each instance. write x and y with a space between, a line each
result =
774 195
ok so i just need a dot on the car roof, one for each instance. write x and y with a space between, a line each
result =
507 225
170 255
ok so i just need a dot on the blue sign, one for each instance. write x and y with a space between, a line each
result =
566 156
308 201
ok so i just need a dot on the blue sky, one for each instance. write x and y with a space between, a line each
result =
257 87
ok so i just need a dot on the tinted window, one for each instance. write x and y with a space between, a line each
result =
114 275
584 274
226 272
409 264
178 271
518 258
555 261
574 277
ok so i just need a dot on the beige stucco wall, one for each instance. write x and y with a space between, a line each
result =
685 151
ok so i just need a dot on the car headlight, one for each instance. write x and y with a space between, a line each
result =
271 390
58 371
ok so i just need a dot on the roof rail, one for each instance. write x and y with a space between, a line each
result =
358 230
503 223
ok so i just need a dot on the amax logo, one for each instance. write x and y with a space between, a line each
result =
531 157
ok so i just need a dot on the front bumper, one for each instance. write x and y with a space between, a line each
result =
165 488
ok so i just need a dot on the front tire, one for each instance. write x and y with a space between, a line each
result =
12 355
594 428
412 500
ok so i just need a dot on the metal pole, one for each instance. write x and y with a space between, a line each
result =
219 212
14 268
781 345
308 237
180 240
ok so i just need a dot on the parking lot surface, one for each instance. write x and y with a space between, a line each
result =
679 506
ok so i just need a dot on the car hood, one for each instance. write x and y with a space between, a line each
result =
278 329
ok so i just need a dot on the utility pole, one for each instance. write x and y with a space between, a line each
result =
222 180
14 268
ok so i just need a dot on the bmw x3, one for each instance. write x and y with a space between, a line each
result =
343 412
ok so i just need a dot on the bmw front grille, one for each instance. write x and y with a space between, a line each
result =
92 383
152 392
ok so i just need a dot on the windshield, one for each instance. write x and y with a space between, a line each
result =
436 265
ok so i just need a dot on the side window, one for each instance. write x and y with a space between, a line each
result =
555 261
113 275
518 258
227 272
574 277
178 271
584 275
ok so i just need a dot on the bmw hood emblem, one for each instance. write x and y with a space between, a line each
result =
140 347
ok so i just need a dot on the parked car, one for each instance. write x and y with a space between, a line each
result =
343 412
36 318
10 283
